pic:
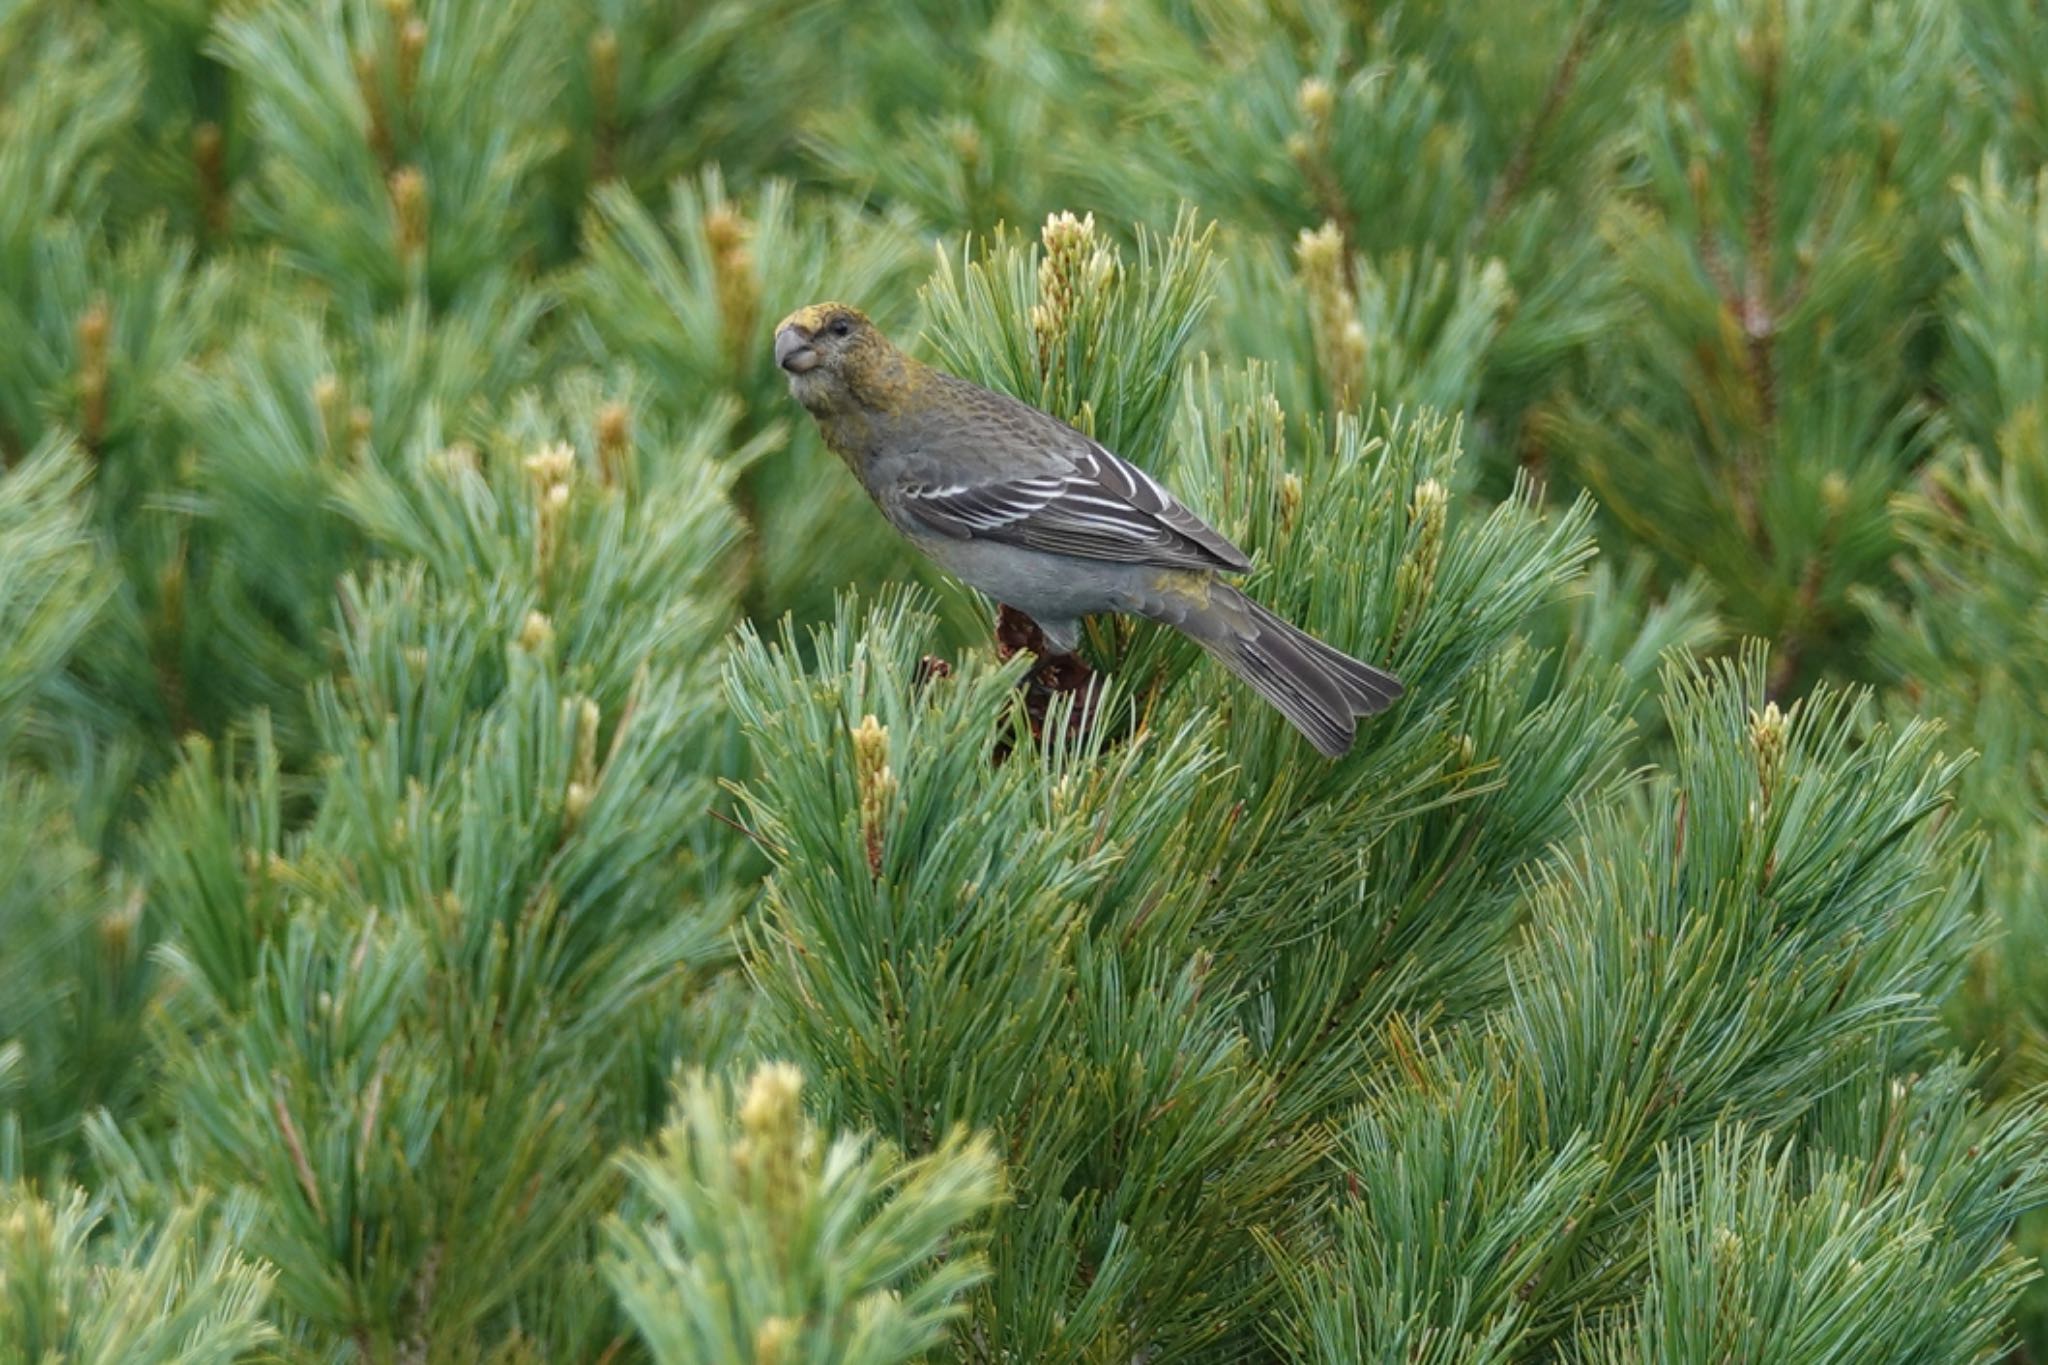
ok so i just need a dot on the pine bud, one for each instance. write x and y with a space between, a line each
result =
870 744
734 278
29 1236
94 327
537 635
1316 100
876 784
409 209
412 43
769 1111
1062 795
1767 734
966 141
548 533
1308 147
614 442
1351 347
551 469
1727 1245
1076 264
1275 418
1494 279
1340 341
1319 253
117 928
724 228
552 464
370 86
1084 417
772 1340
1428 510
1290 500
206 145
771 1123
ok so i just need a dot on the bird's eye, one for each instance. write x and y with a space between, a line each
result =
840 327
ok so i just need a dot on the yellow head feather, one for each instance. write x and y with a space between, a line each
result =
812 317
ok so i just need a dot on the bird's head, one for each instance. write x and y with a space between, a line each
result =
834 357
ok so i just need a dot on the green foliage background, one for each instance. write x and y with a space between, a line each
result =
483 876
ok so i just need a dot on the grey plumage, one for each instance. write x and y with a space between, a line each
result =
1080 499
1319 688
1047 520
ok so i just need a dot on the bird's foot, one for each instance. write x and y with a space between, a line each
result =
1053 675
1015 631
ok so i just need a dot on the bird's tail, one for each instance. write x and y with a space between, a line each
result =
1320 689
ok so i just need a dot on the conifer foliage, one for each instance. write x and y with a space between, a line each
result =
491 872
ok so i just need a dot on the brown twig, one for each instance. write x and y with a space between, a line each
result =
290 1132
209 160
1754 307
759 841
604 99
1792 644
1515 175
1759 308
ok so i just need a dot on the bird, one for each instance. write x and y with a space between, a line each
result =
1048 521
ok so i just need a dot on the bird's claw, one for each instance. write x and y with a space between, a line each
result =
1054 674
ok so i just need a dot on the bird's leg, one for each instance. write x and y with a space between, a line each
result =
1053 674
1015 631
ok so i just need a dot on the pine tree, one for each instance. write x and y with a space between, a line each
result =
777 1246
1783 250
491 868
1970 643
86 1284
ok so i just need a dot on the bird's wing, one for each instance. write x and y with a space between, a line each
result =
1096 507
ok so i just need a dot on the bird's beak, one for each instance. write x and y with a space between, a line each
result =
793 350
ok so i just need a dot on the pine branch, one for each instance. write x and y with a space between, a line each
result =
751 1237
173 1292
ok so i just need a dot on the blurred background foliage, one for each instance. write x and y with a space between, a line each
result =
459 737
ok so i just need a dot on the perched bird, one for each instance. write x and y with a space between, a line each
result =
1046 520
